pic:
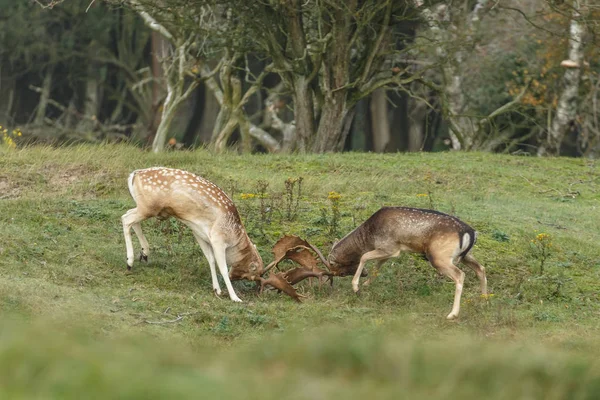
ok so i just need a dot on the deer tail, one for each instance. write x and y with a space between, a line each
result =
130 183
467 240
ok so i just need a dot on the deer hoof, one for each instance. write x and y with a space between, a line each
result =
143 257
128 267
236 300
217 292
451 316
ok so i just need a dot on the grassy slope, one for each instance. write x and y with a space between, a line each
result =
62 262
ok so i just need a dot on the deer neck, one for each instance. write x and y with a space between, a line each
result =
243 253
352 246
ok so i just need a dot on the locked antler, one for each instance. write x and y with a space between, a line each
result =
292 248
279 281
298 250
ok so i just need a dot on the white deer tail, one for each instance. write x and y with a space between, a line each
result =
466 241
130 184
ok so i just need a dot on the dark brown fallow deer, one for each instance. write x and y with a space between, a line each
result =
443 239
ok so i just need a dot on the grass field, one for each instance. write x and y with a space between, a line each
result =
74 324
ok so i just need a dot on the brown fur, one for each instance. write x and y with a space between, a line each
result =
392 230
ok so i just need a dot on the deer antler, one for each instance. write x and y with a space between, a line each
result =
279 281
284 246
323 259
297 250
299 274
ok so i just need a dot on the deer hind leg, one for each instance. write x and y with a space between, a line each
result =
129 219
219 253
137 228
445 266
470 261
376 254
208 253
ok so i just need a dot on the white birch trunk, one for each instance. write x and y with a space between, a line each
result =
566 110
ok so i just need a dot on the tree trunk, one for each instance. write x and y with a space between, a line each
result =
91 100
7 94
461 127
226 132
40 113
303 113
348 119
177 93
331 123
417 113
566 110
159 49
222 118
303 94
167 115
464 130
360 130
380 124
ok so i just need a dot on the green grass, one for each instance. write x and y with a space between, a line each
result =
75 322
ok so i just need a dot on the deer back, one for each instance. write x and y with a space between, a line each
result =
399 228
181 194
197 202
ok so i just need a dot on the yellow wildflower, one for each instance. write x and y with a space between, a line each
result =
334 196
543 236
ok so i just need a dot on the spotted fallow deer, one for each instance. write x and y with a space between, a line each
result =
210 214
443 240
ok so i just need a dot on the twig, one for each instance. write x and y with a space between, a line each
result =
71 257
88 7
50 4
179 318
506 107
552 225
570 193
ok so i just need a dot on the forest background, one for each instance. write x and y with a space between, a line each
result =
315 76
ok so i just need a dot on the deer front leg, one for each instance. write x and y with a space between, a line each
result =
210 257
371 255
219 253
